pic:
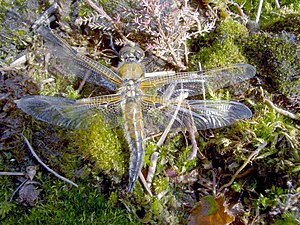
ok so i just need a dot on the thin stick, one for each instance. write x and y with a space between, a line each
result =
18 188
44 165
46 18
277 4
214 185
152 168
250 158
151 171
259 11
12 174
181 97
144 182
281 111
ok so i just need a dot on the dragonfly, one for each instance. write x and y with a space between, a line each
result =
145 104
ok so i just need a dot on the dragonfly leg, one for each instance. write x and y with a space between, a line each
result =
193 134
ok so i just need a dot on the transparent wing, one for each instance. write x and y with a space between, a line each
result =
204 114
71 113
194 83
68 60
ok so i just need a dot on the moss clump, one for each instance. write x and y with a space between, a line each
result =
182 163
278 161
102 144
270 11
289 23
161 184
221 48
289 220
156 207
277 201
277 59
62 204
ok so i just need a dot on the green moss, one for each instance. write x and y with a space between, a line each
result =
221 46
230 29
62 204
161 184
156 207
103 146
281 156
6 207
288 220
221 54
59 86
85 10
277 59
278 201
289 23
151 148
167 152
113 199
237 187
182 163
270 12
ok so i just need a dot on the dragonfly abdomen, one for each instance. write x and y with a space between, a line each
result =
134 133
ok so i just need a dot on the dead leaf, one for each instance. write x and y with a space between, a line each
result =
28 194
170 172
210 211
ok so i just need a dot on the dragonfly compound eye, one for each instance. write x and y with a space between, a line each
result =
131 54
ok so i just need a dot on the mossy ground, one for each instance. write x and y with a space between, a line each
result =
63 204
97 159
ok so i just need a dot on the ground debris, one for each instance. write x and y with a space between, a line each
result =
28 194
12 86
211 211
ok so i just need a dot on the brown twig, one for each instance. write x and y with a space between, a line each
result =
144 182
279 110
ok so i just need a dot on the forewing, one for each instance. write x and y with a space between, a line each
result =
71 62
71 113
195 83
204 114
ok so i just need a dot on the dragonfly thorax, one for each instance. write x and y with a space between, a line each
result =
131 70
131 90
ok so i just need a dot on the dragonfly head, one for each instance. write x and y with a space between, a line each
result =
131 54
